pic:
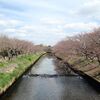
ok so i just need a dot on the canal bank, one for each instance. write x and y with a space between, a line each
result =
91 80
24 65
51 88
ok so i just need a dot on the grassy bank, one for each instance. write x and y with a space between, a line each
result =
11 70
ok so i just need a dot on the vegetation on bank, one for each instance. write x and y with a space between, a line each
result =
13 47
11 70
15 57
82 51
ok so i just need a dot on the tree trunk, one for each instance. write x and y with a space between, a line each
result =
98 58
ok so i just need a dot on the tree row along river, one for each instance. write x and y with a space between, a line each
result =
36 86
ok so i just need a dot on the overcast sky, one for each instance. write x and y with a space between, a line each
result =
48 21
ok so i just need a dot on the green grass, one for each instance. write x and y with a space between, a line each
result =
22 62
4 79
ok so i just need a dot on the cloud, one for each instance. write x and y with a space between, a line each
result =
90 9
48 21
52 21
14 5
81 26
36 33
9 22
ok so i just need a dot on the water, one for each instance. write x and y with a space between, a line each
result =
44 66
55 88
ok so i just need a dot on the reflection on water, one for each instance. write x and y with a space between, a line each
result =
44 66
59 88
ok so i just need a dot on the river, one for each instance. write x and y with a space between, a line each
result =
41 87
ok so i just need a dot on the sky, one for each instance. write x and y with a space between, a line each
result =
48 21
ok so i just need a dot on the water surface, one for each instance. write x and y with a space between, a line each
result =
55 88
